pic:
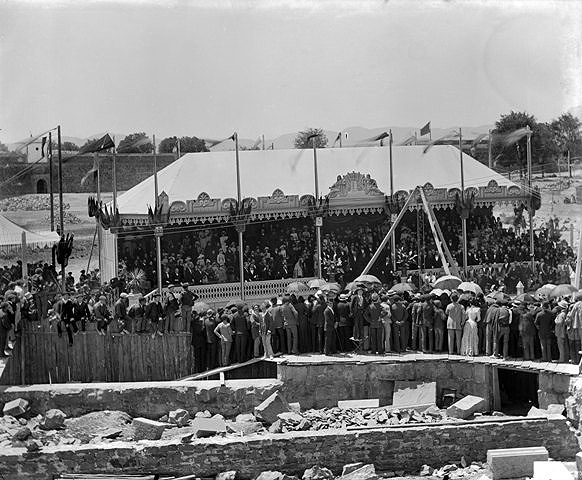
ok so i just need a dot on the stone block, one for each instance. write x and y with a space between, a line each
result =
571 409
145 429
367 472
246 428
179 417
295 407
290 417
208 427
16 407
318 473
268 410
360 403
350 467
230 475
245 417
550 471
54 419
414 394
579 465
467 406
555 409
514 462
21 434
273 475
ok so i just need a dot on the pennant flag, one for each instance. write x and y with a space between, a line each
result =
42 147
257 143
408 141
440 139
103 143
92 172
477 141
209 142
508 139
377 138
425 130
337 139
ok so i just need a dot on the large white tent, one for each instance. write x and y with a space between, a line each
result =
11 236
292 172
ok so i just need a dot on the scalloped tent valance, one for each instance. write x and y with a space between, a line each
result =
280 183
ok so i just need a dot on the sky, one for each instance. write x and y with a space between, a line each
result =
208 68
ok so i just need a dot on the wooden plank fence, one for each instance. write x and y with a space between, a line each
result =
94 358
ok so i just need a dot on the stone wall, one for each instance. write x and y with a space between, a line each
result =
147 399
323 384
131 170
554 388
390 449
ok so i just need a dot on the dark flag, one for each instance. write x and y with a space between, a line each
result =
103 143
425 130
92 172
42 147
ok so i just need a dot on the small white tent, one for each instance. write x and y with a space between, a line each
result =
11 237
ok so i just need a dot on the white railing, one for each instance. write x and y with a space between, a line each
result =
263 289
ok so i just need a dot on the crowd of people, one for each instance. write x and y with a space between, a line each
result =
286 249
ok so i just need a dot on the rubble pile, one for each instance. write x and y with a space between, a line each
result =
336 417
33 202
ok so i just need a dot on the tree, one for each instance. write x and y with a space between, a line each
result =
69 147
187 145
567 133
516 152
135 143
3 148
302 139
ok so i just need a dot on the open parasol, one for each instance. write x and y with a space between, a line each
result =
295 287
545 289
403 287
449 282
470 287
331 287
353 286
563 290
368 279
317 283
200 307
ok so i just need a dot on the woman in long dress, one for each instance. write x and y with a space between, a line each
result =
470 341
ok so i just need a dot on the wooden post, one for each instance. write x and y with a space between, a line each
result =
51 186
61 205
240 228
317 224
530 209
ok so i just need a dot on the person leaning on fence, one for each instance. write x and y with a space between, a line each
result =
137 314
67 318
154 313
120 314
102 315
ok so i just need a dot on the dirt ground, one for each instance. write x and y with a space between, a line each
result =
554 190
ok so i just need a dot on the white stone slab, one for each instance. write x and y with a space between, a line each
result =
414 394
360 403
551 471
515 462
467 406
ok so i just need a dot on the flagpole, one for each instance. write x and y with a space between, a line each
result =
99 233
240 227
463 219
114 178
393 236
61 206
530 209
51 186
158 229
341 135
317 226
490 152
179 153
263 141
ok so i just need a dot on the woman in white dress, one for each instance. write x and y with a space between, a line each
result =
470 341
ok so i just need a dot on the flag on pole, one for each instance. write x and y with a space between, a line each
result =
257 143
477 141
434 142
92 172
209 142
103 143
425 130
337 139
42 147
508 139
408 141
376 138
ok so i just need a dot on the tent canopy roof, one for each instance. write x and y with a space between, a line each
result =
11 235
292 171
